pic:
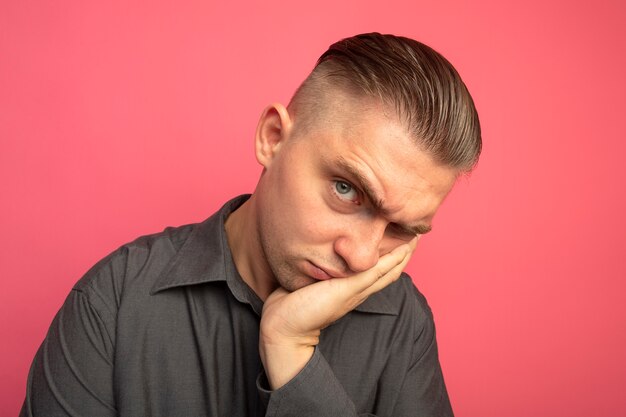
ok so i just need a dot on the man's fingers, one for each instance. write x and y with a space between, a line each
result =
391 276
387 264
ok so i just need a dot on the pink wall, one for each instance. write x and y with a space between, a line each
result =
118 119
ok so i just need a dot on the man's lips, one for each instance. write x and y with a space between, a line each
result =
321 273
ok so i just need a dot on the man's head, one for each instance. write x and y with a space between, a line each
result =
411 80
360 160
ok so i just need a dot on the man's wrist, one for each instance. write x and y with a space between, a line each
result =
283 361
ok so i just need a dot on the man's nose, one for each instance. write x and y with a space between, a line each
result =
359 246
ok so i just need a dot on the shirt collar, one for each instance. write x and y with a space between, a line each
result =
206 257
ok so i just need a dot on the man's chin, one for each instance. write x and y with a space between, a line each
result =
295 284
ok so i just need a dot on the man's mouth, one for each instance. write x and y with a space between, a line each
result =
321 273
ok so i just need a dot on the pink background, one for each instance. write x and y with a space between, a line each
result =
120 118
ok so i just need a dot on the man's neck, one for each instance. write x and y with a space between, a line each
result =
243 240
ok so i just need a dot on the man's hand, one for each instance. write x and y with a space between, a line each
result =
291 322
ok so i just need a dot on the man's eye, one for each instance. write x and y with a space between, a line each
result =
345 191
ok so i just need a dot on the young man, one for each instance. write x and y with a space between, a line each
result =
291 301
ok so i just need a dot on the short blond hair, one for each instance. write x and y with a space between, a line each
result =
422 87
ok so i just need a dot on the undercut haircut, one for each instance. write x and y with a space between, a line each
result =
419 84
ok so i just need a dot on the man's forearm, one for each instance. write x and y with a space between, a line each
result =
284 359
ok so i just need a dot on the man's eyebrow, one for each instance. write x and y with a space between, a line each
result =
420 229
379 204
364 184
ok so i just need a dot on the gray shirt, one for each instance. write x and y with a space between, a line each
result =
165 326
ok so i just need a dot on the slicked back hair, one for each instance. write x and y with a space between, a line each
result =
419 84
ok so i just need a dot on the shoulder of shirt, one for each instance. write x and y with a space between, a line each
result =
412 303
399 298
108 276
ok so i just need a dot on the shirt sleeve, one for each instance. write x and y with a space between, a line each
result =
72 373
313 392
423 391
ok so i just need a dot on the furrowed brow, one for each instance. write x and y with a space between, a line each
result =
363 183
379 204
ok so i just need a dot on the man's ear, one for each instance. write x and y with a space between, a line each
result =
272 131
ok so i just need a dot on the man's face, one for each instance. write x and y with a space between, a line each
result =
335 198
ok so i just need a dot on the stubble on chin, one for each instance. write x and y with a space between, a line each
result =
288 277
